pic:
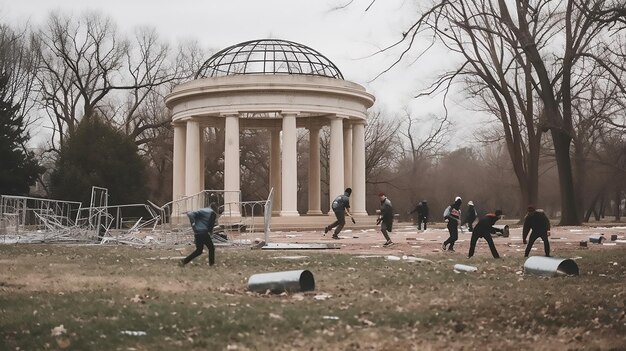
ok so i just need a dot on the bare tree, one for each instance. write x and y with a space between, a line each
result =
18 62
520 35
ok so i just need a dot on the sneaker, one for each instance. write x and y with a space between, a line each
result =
388 243
443 247
451 250
336 237
326 230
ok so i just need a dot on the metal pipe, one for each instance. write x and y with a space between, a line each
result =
464 268
550 266
597 239
278 282
505 230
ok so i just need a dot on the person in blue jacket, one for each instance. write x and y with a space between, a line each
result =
202 222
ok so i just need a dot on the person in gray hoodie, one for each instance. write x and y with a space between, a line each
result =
202 222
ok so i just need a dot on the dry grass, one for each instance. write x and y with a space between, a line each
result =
96 292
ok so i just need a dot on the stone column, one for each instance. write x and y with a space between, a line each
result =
178 164
231 166
347 154
192 163
202 158
289 165
336 158
314 171
358 171
275 170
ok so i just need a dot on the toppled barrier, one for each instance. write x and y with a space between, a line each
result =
278 282
550 266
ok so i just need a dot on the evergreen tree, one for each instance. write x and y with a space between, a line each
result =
96 154
18 167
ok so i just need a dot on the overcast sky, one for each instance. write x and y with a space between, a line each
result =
348 37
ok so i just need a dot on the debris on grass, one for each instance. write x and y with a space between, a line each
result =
59 330
133 332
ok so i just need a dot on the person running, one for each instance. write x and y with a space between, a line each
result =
484 229
537 221
202 222
422 214
471 216
385 219
452 215
341 207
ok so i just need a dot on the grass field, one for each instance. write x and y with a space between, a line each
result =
98 293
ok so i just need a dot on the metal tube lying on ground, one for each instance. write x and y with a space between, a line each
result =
464 268
597 239
505 230
550 266
278 282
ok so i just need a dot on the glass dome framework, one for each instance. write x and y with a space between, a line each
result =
268 57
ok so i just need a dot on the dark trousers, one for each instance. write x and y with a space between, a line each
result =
531 241
470 227
454 234
339 223
421 220
487 236
383 229
202 240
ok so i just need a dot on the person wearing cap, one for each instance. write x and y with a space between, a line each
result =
341 207
471 216
484 228
452 215
385 219
537 221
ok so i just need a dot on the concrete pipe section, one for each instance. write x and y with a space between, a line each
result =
550 266
278 282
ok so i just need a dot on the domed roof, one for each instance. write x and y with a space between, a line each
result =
268 56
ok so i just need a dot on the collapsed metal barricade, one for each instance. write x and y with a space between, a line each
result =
27 220
237 221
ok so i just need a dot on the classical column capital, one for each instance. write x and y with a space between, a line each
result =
289 113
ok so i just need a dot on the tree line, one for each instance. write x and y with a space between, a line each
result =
548 73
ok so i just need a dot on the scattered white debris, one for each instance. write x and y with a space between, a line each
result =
392 258
133 332
322 297
56 331
334 318
464 268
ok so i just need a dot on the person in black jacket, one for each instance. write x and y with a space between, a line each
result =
471 216
422 214
452 215
341 207
484 229
385 219
202 222
538 222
